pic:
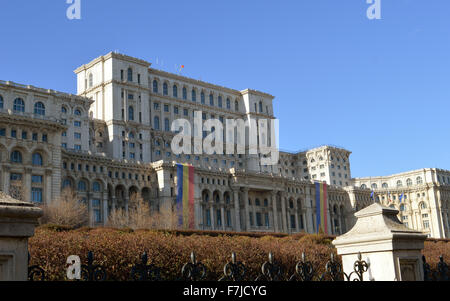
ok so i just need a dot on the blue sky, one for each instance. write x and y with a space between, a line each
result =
380 88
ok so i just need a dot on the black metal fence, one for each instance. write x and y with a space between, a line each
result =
235 270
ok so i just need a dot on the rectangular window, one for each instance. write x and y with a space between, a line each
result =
426 224
64 145
266 219
208 218
258 219
166 108
77 124
24 135
15 177
219 218
36 195
2 132
13 133
77 136
77 147
250 216
36 179
292 221
228 218
44 138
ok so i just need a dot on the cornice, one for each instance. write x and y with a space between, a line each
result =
109 56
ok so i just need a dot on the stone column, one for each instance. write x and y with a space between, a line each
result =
247 210
48 186
222 216
237 210
275 211
284 216
27 189
105 208
18 220
213 220
393 251
6 179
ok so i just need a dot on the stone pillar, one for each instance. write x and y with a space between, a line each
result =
393 251
222 216
237 210
48 186
105 208
213 220
247 210
6 179
283 216
17 222
275 212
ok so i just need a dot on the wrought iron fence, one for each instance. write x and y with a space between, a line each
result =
235 270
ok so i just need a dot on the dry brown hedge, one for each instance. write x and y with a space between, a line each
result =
119 250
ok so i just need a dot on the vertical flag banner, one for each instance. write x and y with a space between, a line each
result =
185 196
321 207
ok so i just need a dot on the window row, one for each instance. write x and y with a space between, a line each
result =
24 135
220 102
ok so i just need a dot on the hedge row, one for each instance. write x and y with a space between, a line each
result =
119 250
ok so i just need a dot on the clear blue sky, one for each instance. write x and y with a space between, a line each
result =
380 88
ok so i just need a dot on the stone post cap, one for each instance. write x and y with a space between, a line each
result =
17 218
379 227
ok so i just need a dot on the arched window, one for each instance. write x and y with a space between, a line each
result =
130 74
228 104
37 159
16 157
77 112
39 109
1 102
184 93
165 89
131 135
91 80
166 125
423 206
409 182
67 183
19 105
374 186
202 98
81 185
260 107
156 123
194 95
130 113
96 187
211 100
175 91
385 185
363 186
236 106
419 181
63 110
399 183
155 86
219 101
402 207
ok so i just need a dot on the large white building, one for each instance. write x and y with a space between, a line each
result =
113 139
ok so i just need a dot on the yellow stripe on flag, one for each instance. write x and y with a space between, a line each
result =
185 196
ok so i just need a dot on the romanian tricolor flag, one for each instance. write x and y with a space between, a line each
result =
185 196
321 207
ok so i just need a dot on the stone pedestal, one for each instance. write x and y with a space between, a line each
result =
393 251
17 222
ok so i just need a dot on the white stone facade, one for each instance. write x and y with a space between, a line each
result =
113 139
